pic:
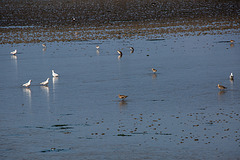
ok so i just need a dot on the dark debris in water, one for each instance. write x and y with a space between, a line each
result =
164 134
55 150
155 39
60 125
123 135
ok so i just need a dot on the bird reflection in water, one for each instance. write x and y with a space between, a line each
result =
154 75
122 104
55 80
14 57
119 57
28 94
14 60
221 92
97 51
46 90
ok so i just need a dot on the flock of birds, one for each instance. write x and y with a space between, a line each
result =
122 97
44 83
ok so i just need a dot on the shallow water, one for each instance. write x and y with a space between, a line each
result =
176 113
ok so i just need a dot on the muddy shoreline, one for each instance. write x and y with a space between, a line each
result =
51 21
85 12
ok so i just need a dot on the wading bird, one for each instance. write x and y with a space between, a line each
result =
154 70
231 76
221 87
54 74
14 52
27 84
122 97
45 82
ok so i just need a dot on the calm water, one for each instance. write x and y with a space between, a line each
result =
176 113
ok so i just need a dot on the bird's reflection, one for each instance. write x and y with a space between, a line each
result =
154 75
55 80
122 103
231 45
14 57
28 94
44 49
119 57
46 90
97 51
221 92
14 60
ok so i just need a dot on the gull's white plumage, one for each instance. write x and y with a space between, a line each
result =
231 76
45 82
14 52
54 74
27 84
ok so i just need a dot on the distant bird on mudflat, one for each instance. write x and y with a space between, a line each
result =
231 77
54 74
14 52
122 97
232 41
27 84
154 70
221 87
119 52
45 82
131 49
44 45
97 47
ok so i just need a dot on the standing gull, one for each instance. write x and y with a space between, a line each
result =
54 74
231 77
27 84
44 45
45 82
97 47
14 52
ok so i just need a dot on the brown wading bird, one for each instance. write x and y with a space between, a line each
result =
131 49
122 97
119 52
232 41
221 87
154 70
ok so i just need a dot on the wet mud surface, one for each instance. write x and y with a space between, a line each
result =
50 21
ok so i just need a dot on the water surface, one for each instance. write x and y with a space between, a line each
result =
176 113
